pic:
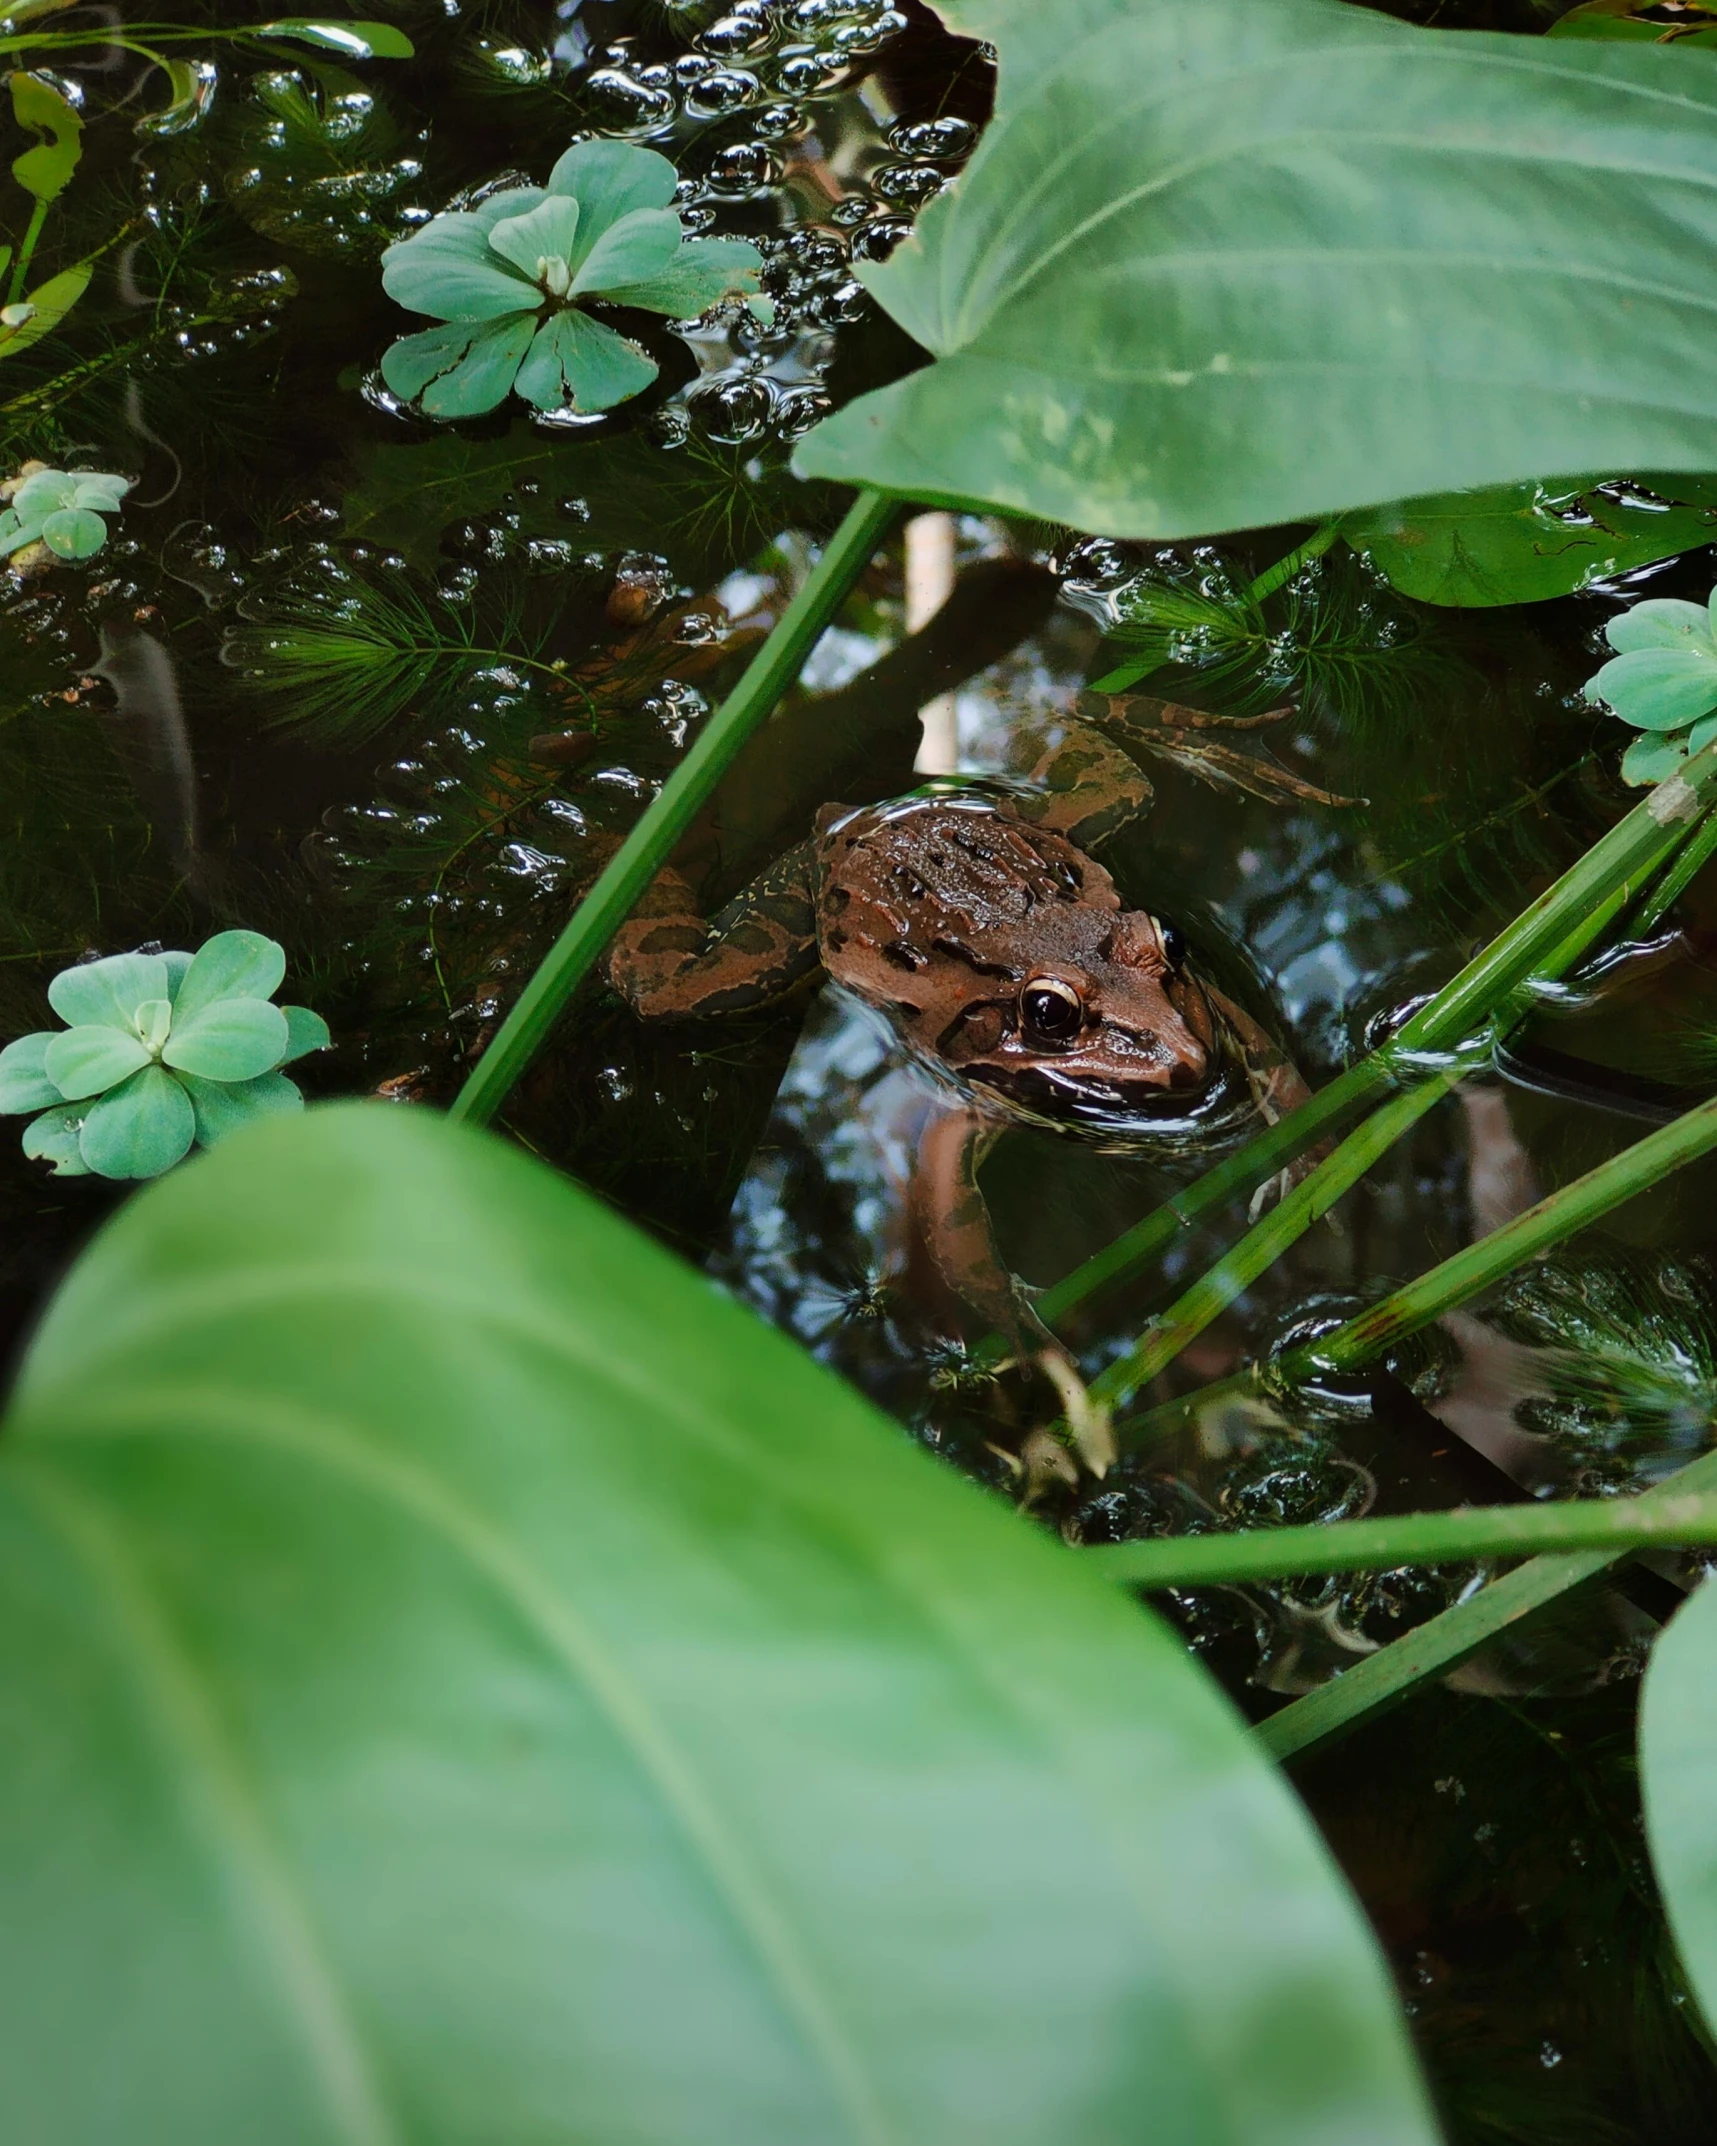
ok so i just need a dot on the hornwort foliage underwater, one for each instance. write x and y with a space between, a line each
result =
907 1725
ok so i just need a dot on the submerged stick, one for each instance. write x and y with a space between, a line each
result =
645 850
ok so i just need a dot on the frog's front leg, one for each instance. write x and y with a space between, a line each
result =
955 1270
671 963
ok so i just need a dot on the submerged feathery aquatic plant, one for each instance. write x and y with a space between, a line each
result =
160 1052
510 279
57 511
1663 680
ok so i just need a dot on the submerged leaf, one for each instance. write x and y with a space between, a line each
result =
38 106
1246 262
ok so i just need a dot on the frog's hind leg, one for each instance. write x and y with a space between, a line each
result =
1088 788
669 962
1184 735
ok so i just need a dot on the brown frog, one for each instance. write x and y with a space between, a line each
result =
1000 950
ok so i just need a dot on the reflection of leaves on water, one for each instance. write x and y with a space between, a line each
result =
338 652
1335 637
1629 1359
707 506
78 867
321 164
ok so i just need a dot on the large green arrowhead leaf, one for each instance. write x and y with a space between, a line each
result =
1678 1773
1224 263
463 1680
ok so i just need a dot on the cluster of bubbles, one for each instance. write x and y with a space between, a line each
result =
761 58
320 174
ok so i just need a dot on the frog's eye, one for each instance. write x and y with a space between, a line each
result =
1173 945
1052 1011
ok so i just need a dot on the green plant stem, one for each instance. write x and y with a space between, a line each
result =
1284 570
1384 1679
646 849
1675 882
1469 1532
1541 944
1263 1244
1469 1273
1454 1281
26 252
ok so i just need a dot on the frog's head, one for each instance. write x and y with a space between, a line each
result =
1103 1017
1003 954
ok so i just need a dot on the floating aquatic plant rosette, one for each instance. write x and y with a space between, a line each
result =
1663 680
161 1052
510 280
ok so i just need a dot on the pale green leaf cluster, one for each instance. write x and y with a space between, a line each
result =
160 1052
62 509
510 280
1663 680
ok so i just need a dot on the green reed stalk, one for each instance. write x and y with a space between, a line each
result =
1468 1532
1447 1286
1677 879
1540 945
646 849
1395 1672
1191 1312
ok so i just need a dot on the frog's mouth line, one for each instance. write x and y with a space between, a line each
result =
1129 1112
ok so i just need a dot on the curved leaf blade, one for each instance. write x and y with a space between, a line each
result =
394 1544
231 965
236 1039
1259 261
1678 1763
139 1129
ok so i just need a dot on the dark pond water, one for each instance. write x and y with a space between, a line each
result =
378 688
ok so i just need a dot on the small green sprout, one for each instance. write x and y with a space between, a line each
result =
510 278
160 1052
1663 680
57 512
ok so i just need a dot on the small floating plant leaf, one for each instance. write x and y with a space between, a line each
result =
162 1050
1245 262
62 509
509 279
1662 680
